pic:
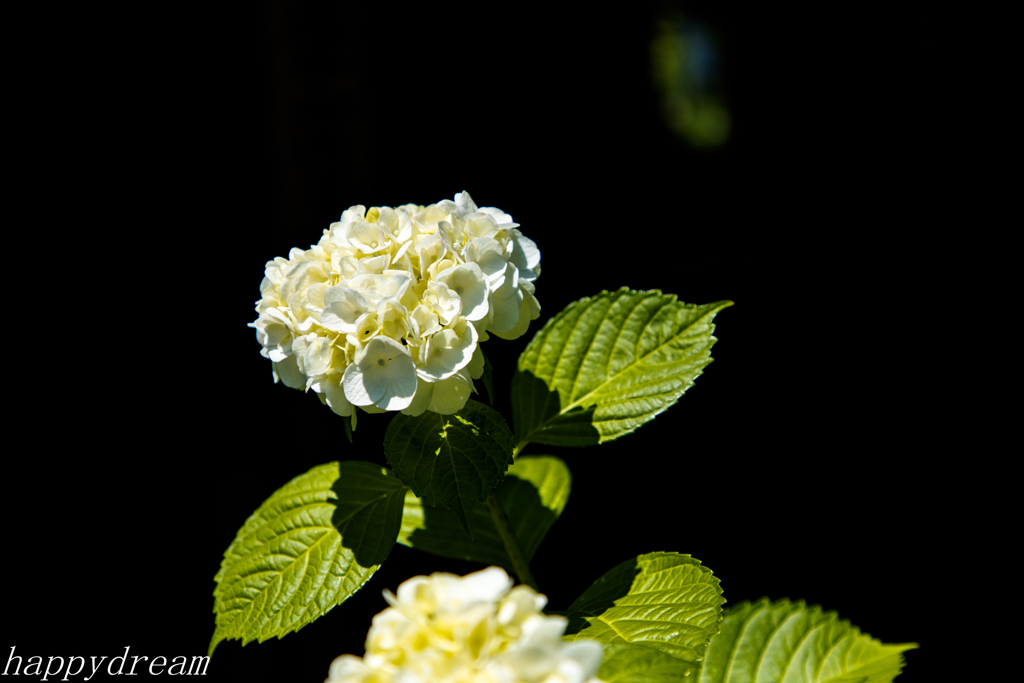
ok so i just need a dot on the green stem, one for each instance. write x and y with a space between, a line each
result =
512 549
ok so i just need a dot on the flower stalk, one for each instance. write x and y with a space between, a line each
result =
515 553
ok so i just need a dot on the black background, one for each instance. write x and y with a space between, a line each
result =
190 148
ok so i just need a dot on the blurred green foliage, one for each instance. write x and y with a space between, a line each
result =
685 69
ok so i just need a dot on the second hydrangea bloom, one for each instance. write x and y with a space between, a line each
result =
472 629
387 311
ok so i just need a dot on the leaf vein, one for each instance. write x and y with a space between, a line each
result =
581 401
586 354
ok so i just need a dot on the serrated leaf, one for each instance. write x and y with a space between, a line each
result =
789 642
632 663
665 601
605 365
533 495
450 461
307 548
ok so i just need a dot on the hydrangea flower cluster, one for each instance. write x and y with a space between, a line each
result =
472 629
387 311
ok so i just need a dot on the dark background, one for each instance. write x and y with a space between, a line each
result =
205 144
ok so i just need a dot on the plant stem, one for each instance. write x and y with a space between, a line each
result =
512 549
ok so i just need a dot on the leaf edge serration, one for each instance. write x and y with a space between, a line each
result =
531 427
319 480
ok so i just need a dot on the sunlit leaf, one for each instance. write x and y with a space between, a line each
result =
789 642
633 663
307 548
607 364
664 601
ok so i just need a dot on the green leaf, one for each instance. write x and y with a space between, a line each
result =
450 461
605 365
788 642
533 495
488 382
307 548
664 601
632 663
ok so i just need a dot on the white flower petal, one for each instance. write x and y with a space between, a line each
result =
288 372
317 357
500 217
443 301
464 204
487 584
419 403
401 382
425 282
348 669
529 310
428 250
339 317
587 652
450 395
388 221
448 351
383 375
374 265
525 255
363 389
472 286
506 302
365 237
476 365
454 238
480 225
444 627
426 321
334 394
488 254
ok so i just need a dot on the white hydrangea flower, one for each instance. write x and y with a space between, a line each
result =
444 628
383 374
387 311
